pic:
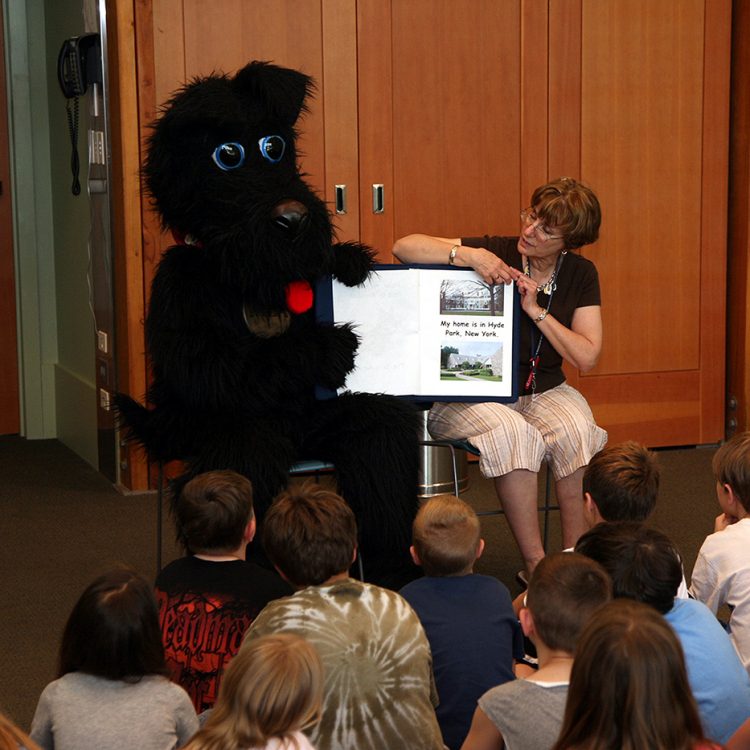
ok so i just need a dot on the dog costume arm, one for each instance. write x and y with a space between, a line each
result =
352 262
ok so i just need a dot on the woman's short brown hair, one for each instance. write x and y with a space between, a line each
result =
309 534
571 208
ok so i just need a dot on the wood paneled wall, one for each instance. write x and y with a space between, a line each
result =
654 124
738 324
460 108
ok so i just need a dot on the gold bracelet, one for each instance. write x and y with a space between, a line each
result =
452 255
542 315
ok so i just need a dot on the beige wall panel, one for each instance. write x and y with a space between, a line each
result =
641 149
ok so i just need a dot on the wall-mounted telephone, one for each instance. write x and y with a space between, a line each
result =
78 64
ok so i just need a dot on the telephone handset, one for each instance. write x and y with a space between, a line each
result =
78 65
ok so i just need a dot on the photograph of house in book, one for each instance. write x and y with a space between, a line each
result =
471 360
470 297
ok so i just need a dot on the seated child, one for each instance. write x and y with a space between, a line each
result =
379 689
270 693
208 599
112 691
565 590
621 483
469 620
721 575
629 687
644 565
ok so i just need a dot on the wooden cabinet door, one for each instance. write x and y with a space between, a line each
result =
459 108
440 123
639 105
464 107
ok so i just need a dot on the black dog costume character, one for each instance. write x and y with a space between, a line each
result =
235 349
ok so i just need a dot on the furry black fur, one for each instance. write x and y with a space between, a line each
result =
234 370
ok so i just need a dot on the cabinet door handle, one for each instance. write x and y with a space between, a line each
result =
378 200
340 199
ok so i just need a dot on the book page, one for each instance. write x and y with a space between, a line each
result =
466 335
429 331
384 312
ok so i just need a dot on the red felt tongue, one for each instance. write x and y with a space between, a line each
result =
299 297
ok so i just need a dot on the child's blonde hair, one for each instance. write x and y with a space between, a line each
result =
446 536
731 465
12 738
272 688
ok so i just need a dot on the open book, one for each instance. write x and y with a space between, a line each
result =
432 333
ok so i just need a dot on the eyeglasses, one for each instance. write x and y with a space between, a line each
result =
529 217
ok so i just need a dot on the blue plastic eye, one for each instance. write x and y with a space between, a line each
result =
229 156
272 148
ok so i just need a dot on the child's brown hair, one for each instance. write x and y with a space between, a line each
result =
309 534
623 481
731 465
213 511
446 536
565 589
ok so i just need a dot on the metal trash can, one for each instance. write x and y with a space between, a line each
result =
436 467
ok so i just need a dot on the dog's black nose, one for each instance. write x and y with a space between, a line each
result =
290 215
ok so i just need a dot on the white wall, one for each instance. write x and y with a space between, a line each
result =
56 328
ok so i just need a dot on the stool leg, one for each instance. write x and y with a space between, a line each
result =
548 479
454 466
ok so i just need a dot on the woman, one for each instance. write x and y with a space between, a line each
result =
560 300
112 691
628 687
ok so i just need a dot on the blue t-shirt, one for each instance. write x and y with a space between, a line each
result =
474 636
720 684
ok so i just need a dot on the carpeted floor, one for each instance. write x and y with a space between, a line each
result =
63 524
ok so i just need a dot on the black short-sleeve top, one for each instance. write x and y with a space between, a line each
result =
577 286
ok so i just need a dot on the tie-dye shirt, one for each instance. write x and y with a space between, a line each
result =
379 688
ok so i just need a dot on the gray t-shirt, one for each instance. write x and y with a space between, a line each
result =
82 712
528 714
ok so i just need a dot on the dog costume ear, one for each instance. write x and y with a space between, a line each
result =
282 91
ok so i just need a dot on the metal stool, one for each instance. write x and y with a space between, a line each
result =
458 486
